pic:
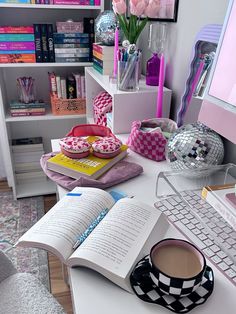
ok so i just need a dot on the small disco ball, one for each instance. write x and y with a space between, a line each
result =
194 146
105 26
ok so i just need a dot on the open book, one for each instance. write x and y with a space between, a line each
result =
123 236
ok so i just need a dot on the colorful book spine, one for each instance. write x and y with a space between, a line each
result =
16 52
98 68
50 43
98 62
72 50
71 45
71 40
7 45
72 55
16 30
17 58
53 83
72 2
16 37
98 55
97 2
70 35
15 1
38 43
44 39
70 59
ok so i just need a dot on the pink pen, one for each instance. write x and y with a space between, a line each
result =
160 87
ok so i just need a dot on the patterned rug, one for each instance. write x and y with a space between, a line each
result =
16 217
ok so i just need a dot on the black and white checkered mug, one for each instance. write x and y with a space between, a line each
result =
177 267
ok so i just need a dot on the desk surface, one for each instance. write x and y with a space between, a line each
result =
92 293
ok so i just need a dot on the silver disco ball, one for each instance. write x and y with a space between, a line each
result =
105 26
194 146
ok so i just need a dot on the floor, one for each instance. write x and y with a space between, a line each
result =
59 289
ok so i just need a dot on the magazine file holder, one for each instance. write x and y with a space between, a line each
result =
173 183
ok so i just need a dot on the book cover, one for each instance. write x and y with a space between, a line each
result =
90 167
17 58
16 30
16 37
44 39
38 43
215 195
50 43
17 45
124 236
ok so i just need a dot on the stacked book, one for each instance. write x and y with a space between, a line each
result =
103 58
71 47
17 44
26 158
77 2
18 109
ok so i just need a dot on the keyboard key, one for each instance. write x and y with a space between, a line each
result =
216 259
228 261
208 252
230 273
223 266
215 248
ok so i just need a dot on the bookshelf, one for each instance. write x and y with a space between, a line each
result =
126 106
48 126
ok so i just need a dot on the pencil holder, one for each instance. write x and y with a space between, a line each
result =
128 75
26 89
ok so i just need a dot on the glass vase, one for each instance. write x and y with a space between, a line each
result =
128 75
152 70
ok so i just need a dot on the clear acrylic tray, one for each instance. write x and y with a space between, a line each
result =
172 184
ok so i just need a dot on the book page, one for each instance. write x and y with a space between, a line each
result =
118 239
70 217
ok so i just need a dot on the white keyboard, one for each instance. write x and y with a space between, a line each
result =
205 227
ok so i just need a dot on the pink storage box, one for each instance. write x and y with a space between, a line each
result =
150 144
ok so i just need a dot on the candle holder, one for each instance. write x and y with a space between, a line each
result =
157 38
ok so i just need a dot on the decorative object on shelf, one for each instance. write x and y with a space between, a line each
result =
26 89
149 137
102 104
194 146
203 52
105 27
156 44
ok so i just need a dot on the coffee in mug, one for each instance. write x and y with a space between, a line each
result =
177 266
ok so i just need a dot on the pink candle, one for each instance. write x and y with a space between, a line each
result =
116 50
160 87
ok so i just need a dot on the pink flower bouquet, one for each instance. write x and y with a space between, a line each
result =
133 26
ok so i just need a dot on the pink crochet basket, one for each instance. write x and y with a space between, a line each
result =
150 144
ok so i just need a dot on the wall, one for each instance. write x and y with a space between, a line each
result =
192 16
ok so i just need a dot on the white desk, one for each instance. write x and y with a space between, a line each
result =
94 294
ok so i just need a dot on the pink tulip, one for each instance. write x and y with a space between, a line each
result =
152 9
137 7
119 6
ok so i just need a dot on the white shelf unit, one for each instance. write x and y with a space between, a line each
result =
48 126
126 106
